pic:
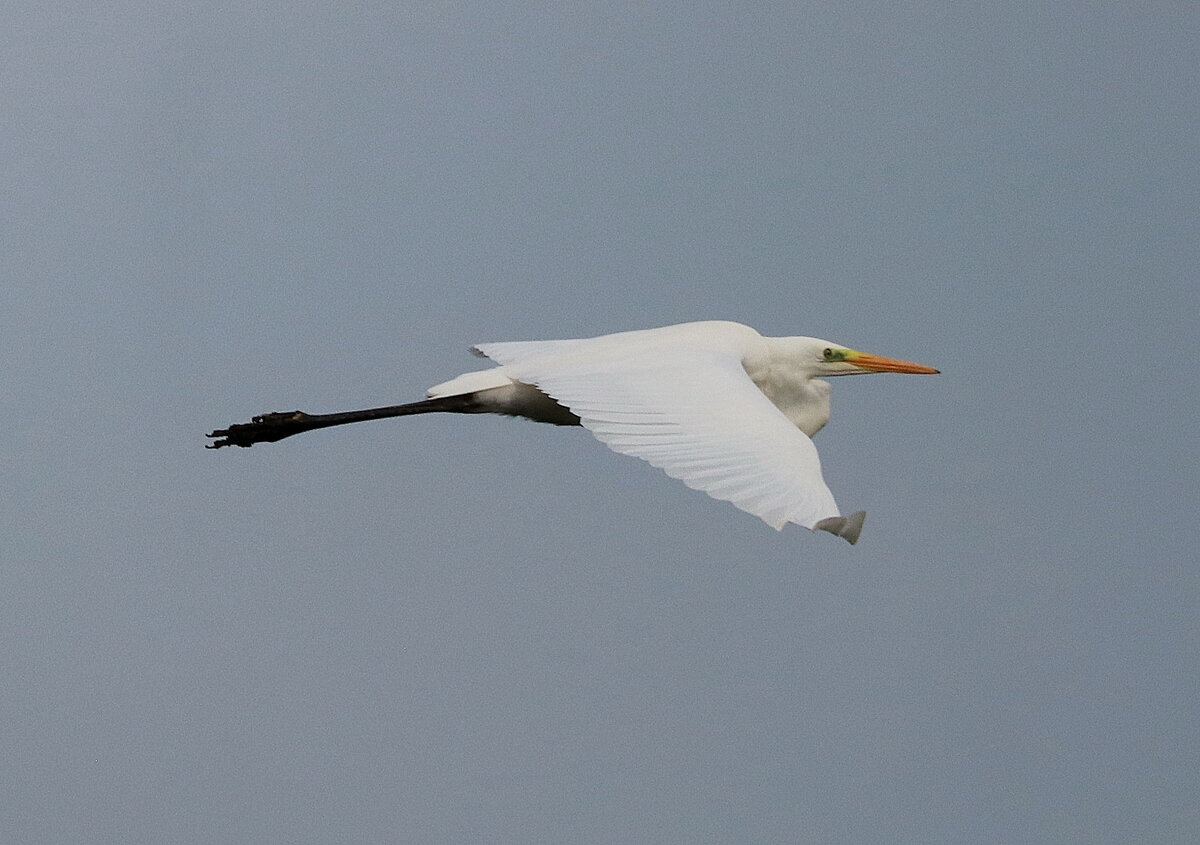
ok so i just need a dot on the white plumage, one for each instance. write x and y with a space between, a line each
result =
714 404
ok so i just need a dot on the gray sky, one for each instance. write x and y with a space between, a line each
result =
453 630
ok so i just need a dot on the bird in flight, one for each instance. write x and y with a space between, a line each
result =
714 404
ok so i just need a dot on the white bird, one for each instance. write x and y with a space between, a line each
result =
714 404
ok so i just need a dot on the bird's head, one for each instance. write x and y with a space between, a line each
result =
830 359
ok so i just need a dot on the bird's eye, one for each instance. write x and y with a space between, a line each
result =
828 353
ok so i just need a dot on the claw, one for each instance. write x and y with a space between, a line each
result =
263 428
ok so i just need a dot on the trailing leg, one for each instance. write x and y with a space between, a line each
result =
268 428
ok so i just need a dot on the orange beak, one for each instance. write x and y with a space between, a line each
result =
879 364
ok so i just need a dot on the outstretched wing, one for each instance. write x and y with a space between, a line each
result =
695 414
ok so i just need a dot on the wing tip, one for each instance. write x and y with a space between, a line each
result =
846 527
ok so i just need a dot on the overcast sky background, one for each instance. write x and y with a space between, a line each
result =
460 629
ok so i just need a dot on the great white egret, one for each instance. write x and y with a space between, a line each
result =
714 404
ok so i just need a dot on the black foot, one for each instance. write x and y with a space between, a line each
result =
265 428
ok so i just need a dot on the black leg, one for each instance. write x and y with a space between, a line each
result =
264 428
267 428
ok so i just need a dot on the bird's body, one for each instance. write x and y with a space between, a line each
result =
803 400
714 404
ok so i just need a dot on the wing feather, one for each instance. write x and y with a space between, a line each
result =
694 413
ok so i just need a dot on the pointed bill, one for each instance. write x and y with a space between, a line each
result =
879 364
